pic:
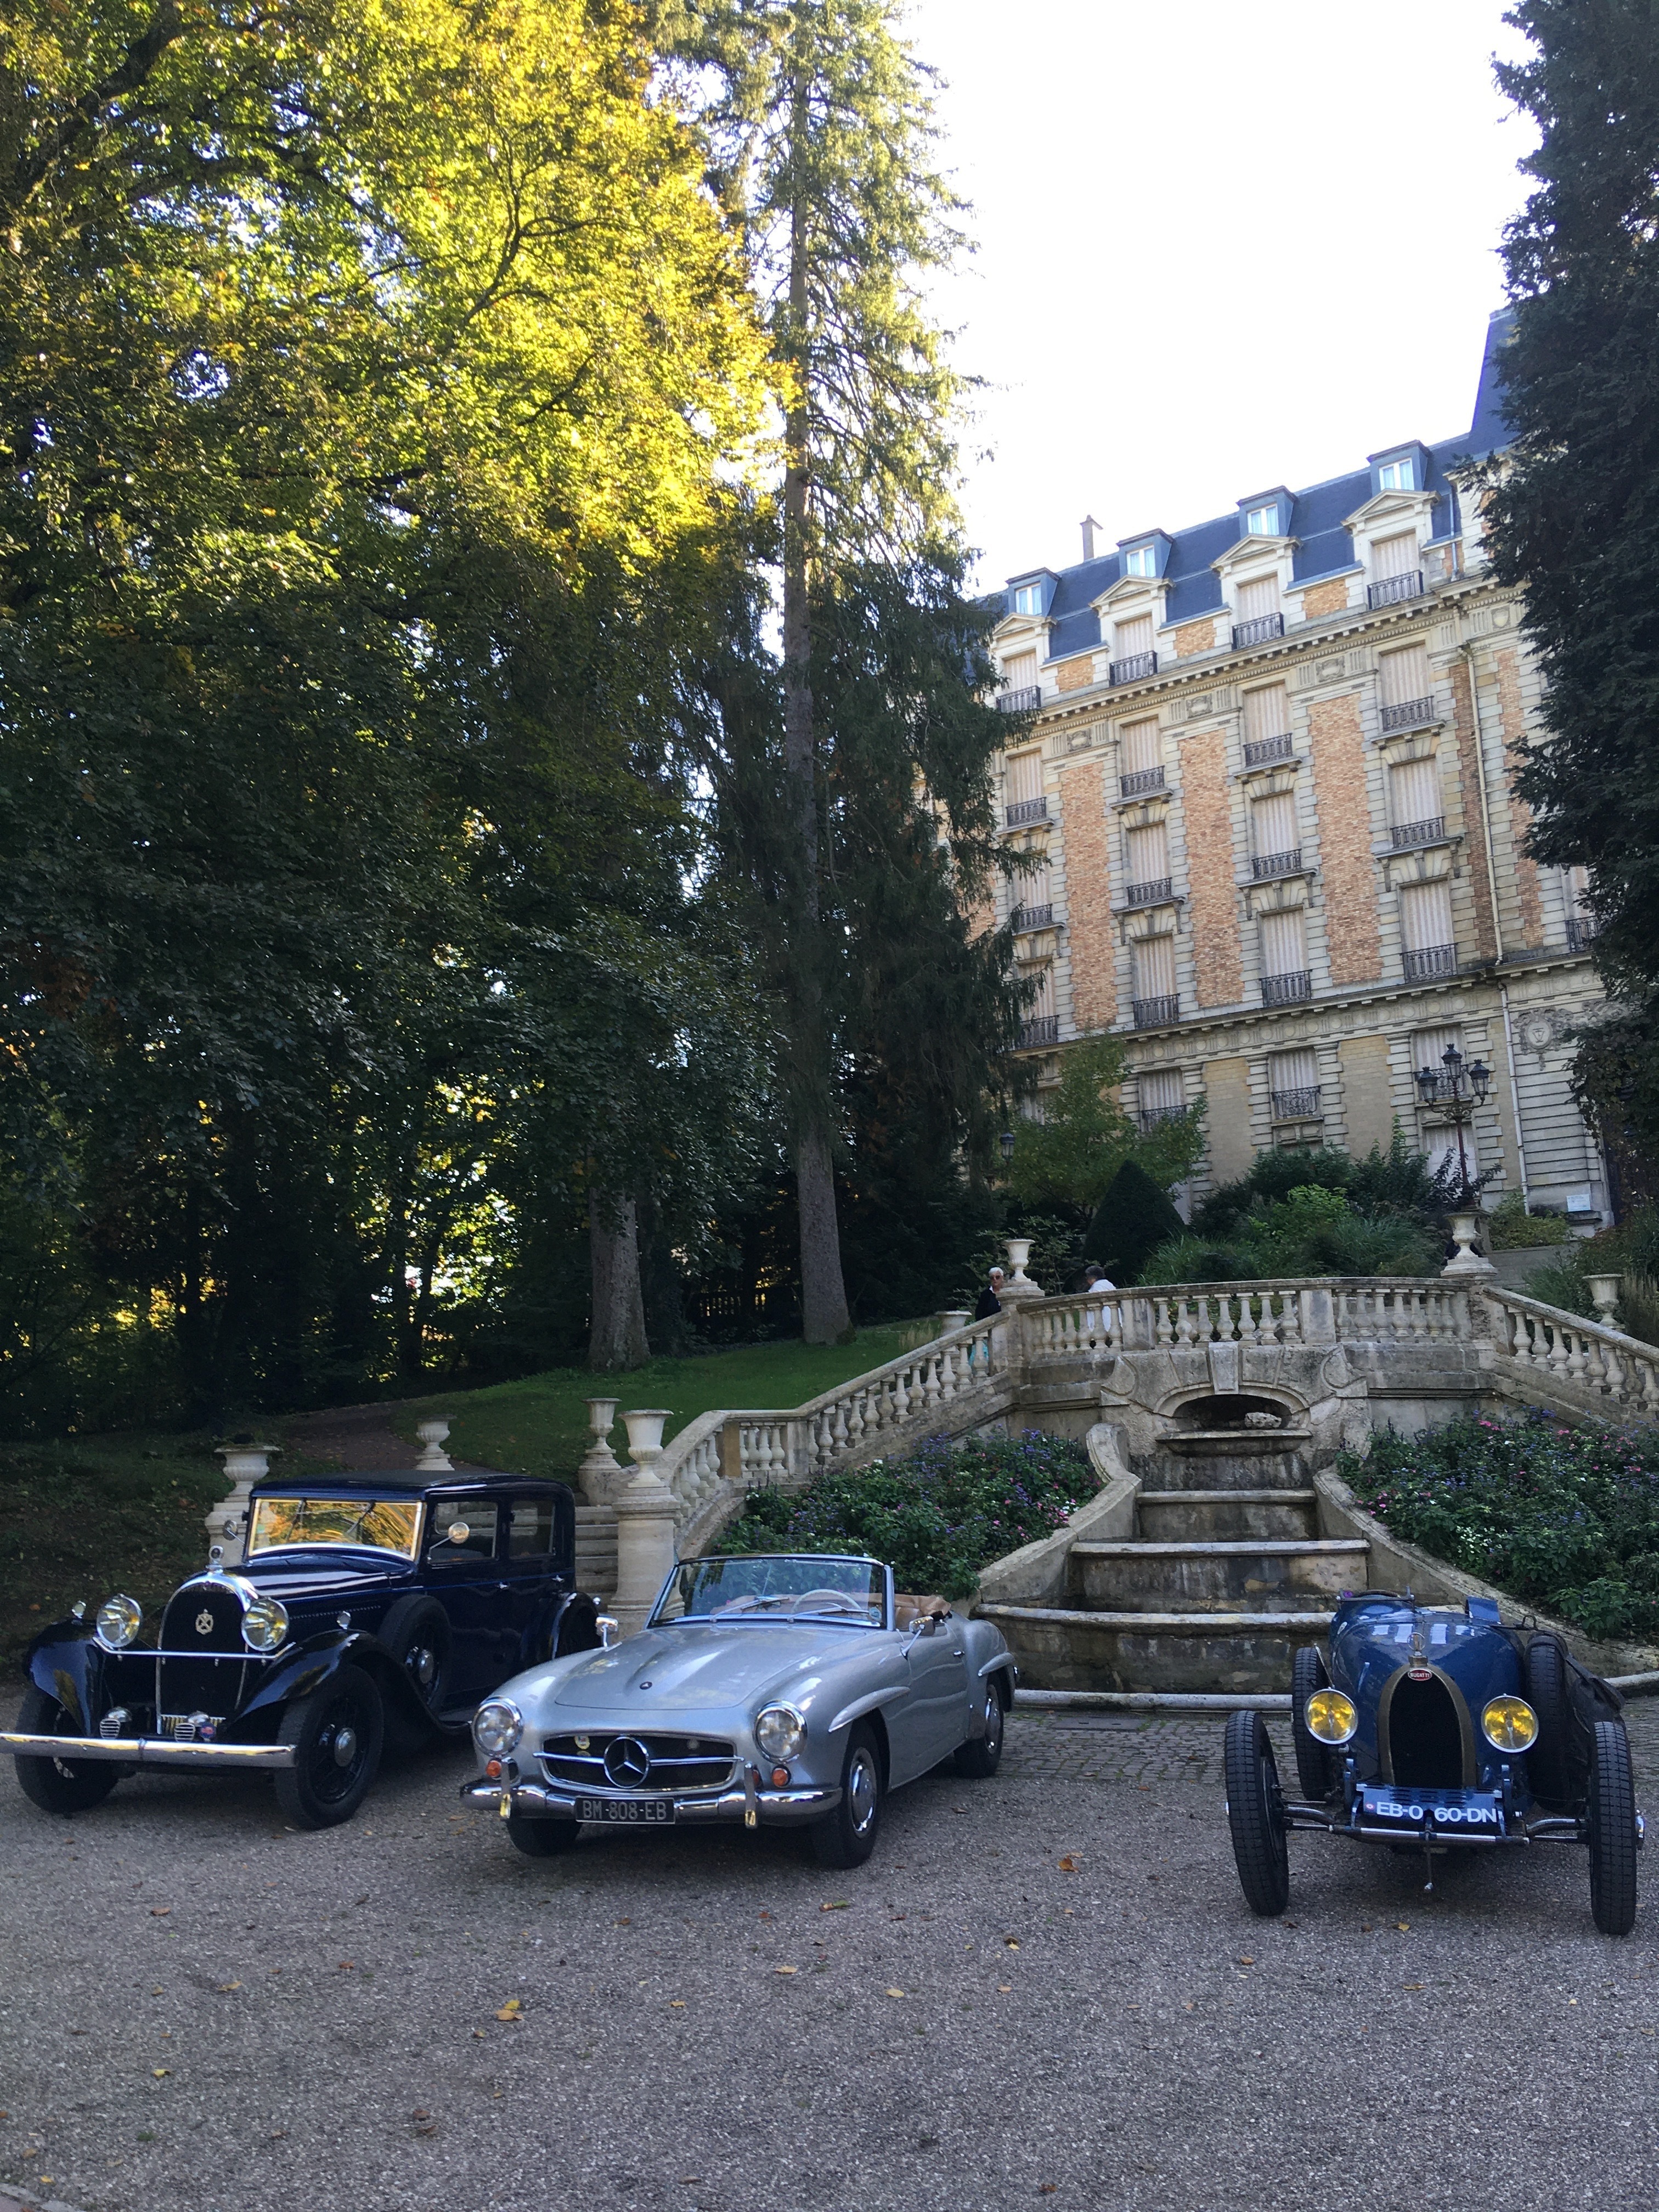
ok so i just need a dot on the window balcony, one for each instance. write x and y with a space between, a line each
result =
1154 1117
1154 1013
1132 670
1277 864
1027 810
1045 1029
1429 832
1140 781
1258 751
1430 960
1257 630
1025 699
1296 1105
1392 589
1287 990
1033 917
1409 714
1581 933
1151 894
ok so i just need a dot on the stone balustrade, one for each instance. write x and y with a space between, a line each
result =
1586 1358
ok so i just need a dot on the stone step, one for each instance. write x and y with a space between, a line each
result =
1062 1648
1267 1575
596 1550
1211 1514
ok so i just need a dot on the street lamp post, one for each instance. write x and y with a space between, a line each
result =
1458 1092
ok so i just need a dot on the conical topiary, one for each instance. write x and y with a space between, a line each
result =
1132 1220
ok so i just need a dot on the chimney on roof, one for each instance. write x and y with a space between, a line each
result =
1089 526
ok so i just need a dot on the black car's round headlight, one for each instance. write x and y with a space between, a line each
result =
264 1625
780 1731
120 1619
497 1727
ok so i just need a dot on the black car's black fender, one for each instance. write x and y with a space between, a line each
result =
321 1656
571 1624
66 1662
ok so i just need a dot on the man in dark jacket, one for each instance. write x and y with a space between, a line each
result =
990 1302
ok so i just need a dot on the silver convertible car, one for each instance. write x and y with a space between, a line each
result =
775 1689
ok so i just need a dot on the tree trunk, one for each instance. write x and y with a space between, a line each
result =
823 1293
617 1337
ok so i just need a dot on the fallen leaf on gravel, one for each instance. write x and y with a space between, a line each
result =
766 1916
159 1911
628 1924
348 1965
161 2072
511 2009
1047 2188
835 1904
1413 1985
1004 1989
478 2035
225 1988
419 2116
896 1993
786 1969
430 2129
1011 1942
1068 1864
1404 1926
1247 1962
676 2004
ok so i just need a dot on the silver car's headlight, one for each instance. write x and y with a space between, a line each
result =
120 1619
780 1731
497 1727
264 1625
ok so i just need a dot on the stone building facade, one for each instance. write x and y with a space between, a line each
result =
1269 828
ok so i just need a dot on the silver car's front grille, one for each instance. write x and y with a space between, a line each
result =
614 1759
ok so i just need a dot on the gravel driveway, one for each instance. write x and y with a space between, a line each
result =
1043 1985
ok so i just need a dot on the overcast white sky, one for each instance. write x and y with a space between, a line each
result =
1220 247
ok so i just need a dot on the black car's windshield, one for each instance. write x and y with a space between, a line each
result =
777 1586
382 1524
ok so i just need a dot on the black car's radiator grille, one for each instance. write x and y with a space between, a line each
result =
203 1616
612 1760
184 1686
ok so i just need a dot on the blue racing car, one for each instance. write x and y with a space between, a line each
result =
1436 1730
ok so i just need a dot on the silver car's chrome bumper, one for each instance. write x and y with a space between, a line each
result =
772 1807
148 1751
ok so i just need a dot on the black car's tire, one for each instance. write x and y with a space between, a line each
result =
1255 1814
337 1733
849 1836
417 1634
542 1839
1546 1694
1611 1831
981 1756
1316 1770
579 1627
59 1785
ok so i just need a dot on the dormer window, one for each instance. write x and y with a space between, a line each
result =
1140 561
1397 475
1261 522
1028 599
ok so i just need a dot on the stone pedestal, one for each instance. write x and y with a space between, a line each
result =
645 1523
1466 1260
1018 1285
600 1474
434 1458
227 1524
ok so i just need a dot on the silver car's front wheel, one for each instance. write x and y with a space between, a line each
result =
849 1836
981 1755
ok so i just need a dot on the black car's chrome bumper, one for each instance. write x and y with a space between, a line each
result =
150 1751
739 1806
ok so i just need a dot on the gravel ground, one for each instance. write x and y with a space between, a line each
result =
1043 1985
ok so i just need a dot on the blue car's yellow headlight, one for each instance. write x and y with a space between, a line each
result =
1331 1716
1509 1723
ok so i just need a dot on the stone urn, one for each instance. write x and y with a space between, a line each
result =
434 1458
600 1471
1018 1285
954 1317
1466 1260
1604 1290
227 1523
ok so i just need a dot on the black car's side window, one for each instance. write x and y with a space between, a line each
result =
476 1516
529 1528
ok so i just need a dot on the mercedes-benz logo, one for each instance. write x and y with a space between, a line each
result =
205 1622
627 1762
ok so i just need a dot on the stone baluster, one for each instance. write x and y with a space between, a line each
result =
644 1522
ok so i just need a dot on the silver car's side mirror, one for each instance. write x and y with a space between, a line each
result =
609 1626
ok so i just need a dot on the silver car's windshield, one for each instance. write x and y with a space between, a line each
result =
777 1586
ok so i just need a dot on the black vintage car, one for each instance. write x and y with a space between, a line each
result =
368 1612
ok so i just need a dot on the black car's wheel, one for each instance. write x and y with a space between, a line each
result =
981 1755
542 1839
579 1627
337 1733
59 1785
1255 1814
849 1836
1611 1831
1546 1694
417 1634
1315 1769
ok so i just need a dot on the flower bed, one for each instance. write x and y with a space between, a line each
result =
937 1516
1567 1518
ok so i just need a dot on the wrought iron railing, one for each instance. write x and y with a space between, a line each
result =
1024 699
1139 780
1429 831
1392 589
1257 630
1409 714
1301 1105
1287 989
1044 1029
1581 933
1277 864
1260 751
1429 961
1154 1013
1151 894
1154 1117
1027 810
1132 668
1033 917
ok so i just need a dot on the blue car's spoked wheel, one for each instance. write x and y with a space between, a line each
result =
1611 1831
1255 1814
337 1733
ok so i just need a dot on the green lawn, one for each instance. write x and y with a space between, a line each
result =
538 1425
